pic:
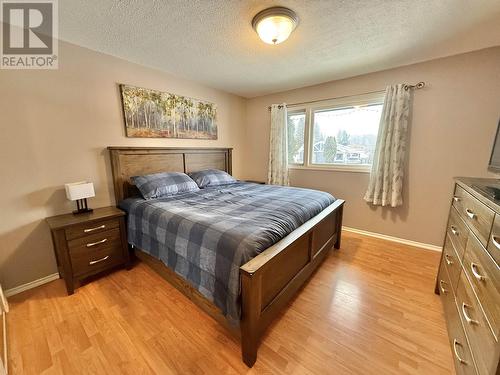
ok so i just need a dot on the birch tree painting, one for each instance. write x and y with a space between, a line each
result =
156 114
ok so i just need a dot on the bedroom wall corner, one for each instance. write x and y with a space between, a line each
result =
454 122
56 126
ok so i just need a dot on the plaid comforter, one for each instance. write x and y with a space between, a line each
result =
206 235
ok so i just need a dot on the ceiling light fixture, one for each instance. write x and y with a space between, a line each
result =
274 25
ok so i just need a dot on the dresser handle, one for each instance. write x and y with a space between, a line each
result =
96 243
455 344
456 199
93 229
477 275
447 259
92 262
466 316
454 230
441 282
495 242
470 214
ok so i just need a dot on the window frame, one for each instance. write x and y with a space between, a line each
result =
294 111
311 108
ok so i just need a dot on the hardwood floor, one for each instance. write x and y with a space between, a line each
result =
370 309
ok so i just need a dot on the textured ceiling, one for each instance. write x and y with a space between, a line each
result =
212 41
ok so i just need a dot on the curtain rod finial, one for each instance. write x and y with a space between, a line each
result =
416 86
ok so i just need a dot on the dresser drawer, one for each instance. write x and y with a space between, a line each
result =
494 242
445 290
97 259
462 356
451 262
86 229
475 214
484 275
482 342
457 231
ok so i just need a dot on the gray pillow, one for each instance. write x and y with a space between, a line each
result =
212 177
163 184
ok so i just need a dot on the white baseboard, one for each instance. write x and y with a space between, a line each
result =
31 284
393 239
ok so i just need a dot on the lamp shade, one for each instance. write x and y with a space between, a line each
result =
79 190
274 25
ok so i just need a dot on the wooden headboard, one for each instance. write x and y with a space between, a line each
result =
135 161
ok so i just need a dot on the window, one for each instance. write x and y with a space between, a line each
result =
296 122
337 134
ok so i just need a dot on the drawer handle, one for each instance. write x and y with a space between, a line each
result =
469 213
441 282
456 199
96 243
454 230
92 262
477 275
455 344
447 258
466 316
93 229
495 242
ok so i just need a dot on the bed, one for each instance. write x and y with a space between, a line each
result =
240 251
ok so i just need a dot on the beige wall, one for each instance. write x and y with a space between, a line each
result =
453 127
55 126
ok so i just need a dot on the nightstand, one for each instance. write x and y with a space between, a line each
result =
89 243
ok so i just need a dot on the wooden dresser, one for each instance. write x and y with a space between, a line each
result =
89 243
469 277
4 309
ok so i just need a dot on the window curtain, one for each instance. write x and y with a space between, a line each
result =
387 173
278 149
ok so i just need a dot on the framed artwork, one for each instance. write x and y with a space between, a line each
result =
155 114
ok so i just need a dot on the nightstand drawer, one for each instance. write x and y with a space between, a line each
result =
86 229
97 259
93 241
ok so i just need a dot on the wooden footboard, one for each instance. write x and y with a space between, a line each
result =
270 280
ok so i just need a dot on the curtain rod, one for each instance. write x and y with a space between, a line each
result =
416 86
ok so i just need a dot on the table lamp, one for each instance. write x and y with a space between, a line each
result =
79 192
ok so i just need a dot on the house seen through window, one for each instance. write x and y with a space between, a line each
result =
335 134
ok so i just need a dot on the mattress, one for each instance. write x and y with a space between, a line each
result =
206 235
